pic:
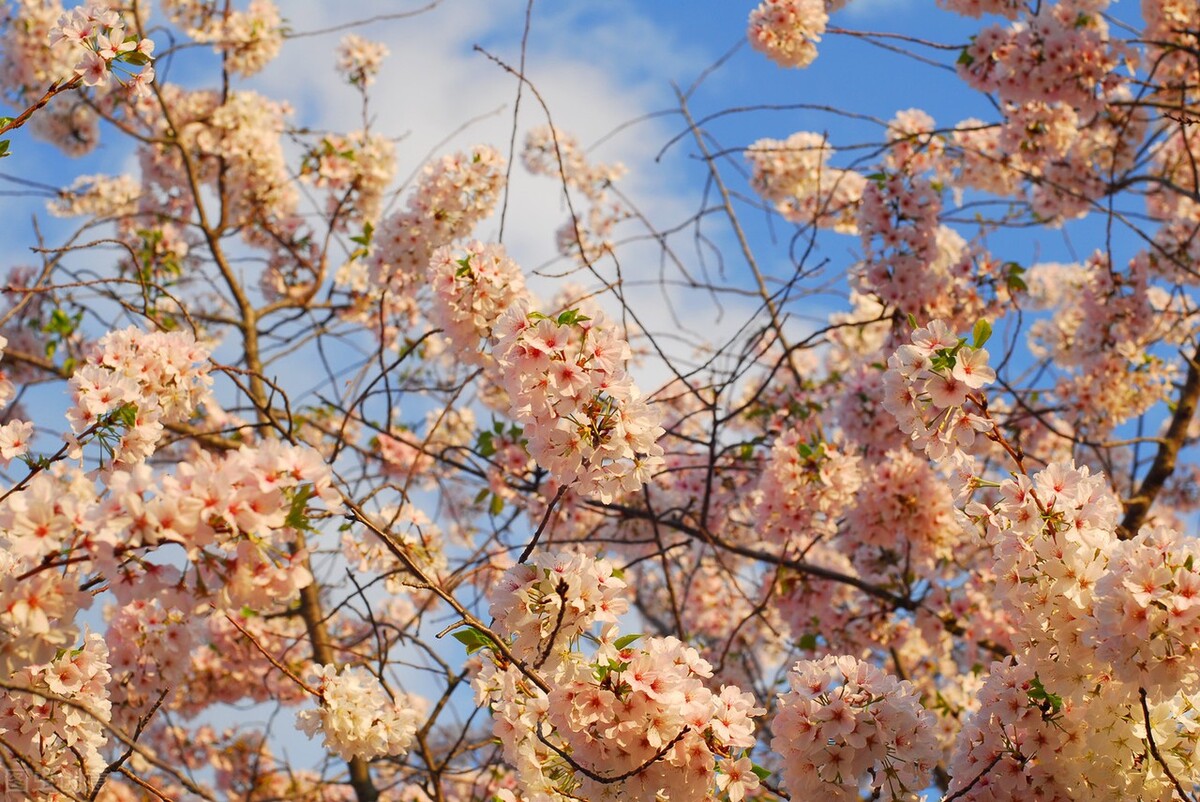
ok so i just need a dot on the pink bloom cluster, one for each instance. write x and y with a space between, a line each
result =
1147 612
928 386
473 286
248 40
453 195
15 435
1007 747
1060 54
787 31
794 175
356 169
1101 338
1049 535
58 724
845 725
904 519
806 486
586 422
556 154
1104 634
232 140
359 59
635 721
27 65
357 717
99 195
98 38
552 600
913 144
630 707
898 222
151 639
161 376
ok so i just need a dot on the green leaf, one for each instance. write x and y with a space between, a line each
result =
485 444
760 772
473 639
625 640
1038 693
912 320
297 517
4 143
497 505
965 58
1189 562
126 414
60 323
364 239
809 641
981 333
571 317
481 495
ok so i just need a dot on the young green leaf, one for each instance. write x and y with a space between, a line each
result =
981 333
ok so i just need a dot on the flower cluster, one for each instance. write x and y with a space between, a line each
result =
636 721
357 717
586 421
928 386
99 195
787 31
452 196
546 604
359 59
794 175
904 519
56 723
846 723
1147 611
355 169
233 141
1101 338
1060 54
98 37
148 379
648 706
248 39
556 154
473 286
898 222
27 65
804 489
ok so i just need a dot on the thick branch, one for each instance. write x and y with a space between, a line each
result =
1137 508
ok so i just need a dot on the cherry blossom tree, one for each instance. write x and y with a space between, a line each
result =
311 491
